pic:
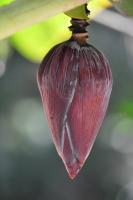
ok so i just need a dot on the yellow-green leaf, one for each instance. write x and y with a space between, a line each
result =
5 2
34 42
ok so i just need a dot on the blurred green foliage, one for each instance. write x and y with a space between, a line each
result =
124 6
126 107
5 2
4 49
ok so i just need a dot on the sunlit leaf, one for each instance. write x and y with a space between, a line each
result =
34 42
5 2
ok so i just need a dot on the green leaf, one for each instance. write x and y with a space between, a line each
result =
34 42
24 13
5 2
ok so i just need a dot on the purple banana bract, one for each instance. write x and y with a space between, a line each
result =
75 82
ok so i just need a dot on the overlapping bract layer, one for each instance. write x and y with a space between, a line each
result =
75 83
